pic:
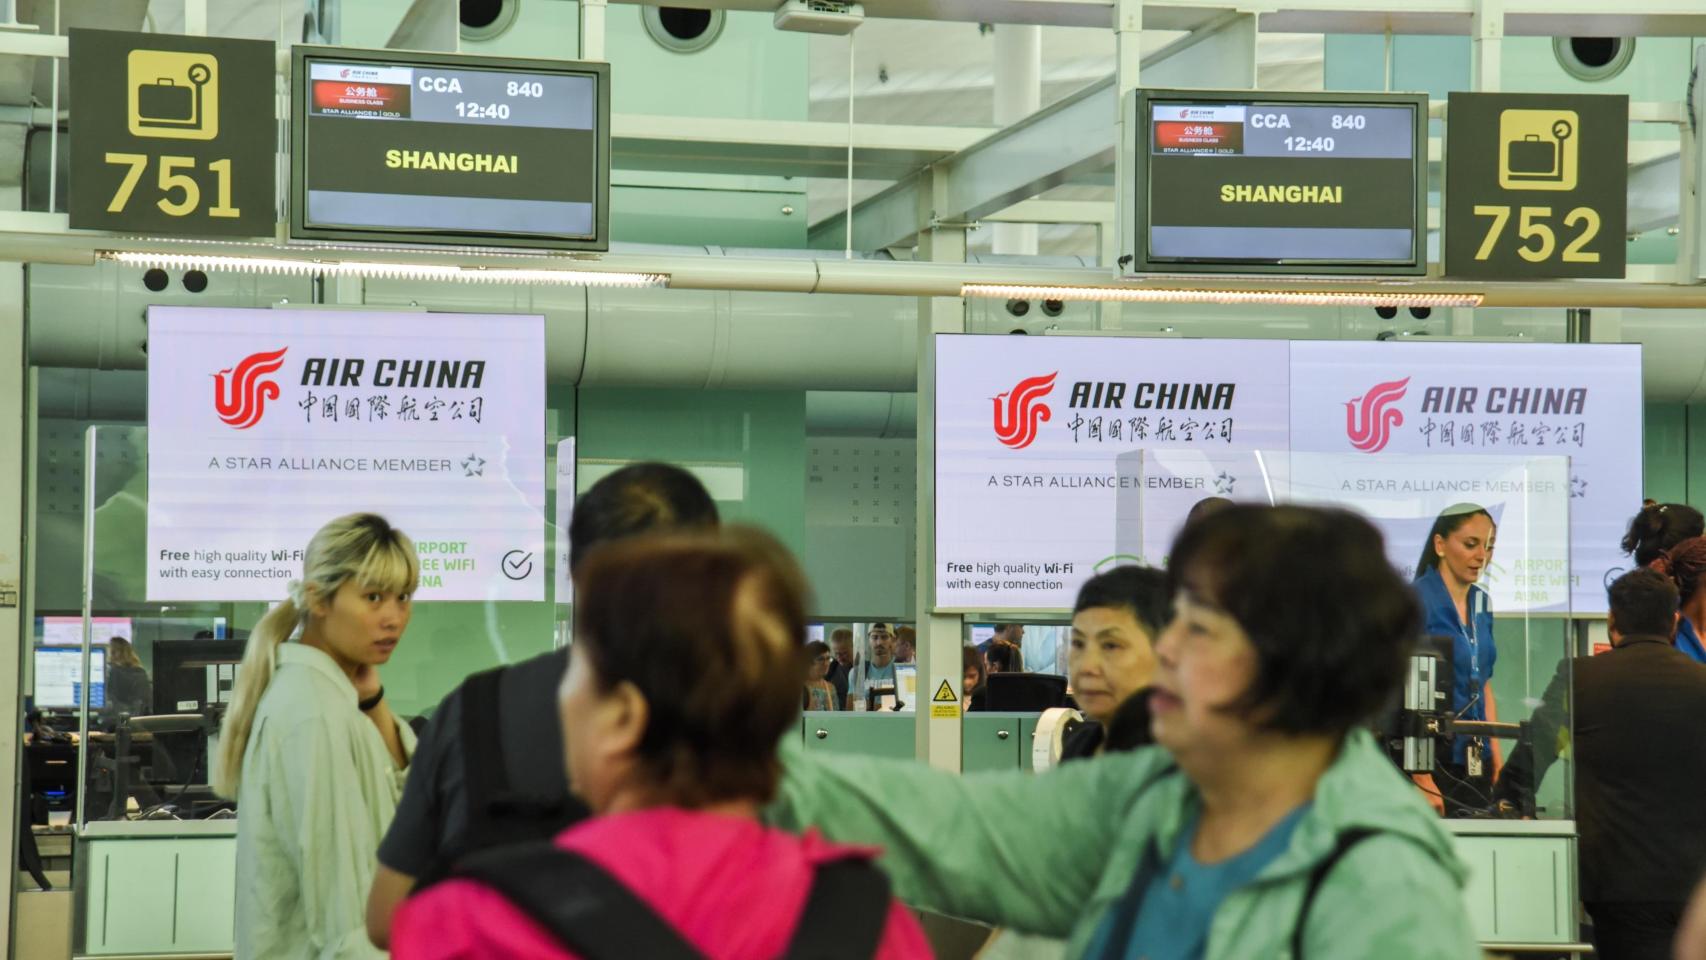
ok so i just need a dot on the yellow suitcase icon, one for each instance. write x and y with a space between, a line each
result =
173 95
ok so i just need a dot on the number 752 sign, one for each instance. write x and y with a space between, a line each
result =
1536 186
172 135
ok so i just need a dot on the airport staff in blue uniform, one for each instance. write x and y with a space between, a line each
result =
1454 605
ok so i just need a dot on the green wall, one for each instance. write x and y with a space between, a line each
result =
762 433
758 436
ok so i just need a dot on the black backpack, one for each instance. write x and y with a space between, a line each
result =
597 918
497 815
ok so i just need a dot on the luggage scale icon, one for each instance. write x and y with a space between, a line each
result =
1538 149
173 95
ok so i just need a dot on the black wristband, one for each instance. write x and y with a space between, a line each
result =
372 701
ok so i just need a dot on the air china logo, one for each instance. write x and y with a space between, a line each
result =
1016 420
1370 418
241 399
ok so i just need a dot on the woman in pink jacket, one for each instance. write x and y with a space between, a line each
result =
686 672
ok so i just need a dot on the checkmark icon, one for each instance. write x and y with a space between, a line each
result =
518 564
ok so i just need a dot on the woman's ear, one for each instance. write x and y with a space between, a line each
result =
629 716
313 601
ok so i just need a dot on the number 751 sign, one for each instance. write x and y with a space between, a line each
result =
172 135
1536 185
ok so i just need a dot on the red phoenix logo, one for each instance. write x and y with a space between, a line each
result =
1016 421
241 400
1370 418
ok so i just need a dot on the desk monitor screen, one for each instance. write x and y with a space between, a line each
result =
68 631
59 678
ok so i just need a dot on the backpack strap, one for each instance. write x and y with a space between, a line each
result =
845 915
1343 845
485 776
589 911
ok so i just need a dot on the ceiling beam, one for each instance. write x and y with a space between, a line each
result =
1066 142
1540 18
789 148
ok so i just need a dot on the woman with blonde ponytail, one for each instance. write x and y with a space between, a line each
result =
311 751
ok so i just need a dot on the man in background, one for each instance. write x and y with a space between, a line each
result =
1638 771
488 770
878 671
905 645
842 664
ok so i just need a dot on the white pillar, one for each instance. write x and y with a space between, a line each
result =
17 421
1018 71
1128 57
1486 38
592 29
940 637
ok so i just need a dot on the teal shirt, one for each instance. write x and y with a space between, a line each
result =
1180 901
319 789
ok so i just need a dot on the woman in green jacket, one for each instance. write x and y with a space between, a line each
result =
1266 825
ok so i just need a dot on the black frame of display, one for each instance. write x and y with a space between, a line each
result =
1137 216
299 229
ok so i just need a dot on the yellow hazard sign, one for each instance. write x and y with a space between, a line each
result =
944 705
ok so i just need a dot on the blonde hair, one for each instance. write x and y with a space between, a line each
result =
360 546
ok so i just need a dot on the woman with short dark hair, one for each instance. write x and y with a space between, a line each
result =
1116 620
675 765
1269 823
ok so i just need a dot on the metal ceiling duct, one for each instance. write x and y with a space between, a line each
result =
93 318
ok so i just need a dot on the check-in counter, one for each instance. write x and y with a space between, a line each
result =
1522 881
156 887
865 734
988 741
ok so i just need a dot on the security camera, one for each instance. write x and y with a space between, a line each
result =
1421 313
1018 308
1386 313
1053 308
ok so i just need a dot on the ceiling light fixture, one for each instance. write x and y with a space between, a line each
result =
385 271
1279 298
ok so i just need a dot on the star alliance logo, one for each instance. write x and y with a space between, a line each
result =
1578 488
473 466
1223 484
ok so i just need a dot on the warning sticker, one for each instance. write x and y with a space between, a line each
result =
944 705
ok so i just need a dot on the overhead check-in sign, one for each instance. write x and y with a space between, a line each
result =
1536 185
172 135
1260 182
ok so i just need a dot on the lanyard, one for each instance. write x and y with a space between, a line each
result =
1469 634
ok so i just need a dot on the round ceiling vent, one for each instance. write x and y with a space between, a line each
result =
487 19
1593 58
682 29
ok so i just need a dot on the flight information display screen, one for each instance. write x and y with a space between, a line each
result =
1281 184
449 149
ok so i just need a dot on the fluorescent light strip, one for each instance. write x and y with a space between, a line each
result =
385 271
1282 298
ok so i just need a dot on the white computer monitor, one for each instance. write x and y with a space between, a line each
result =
68 631
59 678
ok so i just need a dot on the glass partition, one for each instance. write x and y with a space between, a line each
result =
142 686
1482 723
